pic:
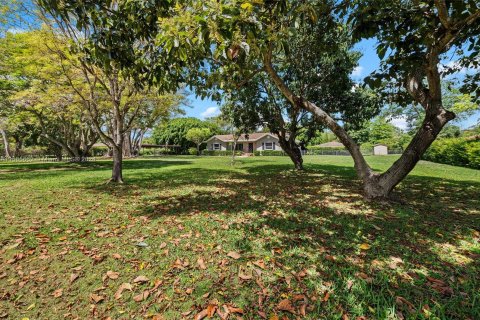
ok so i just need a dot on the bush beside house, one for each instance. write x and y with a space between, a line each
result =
220 153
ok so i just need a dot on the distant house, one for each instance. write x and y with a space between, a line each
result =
246 143
331 144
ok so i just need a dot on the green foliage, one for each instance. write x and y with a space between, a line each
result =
455 151
223 153
268 153
192 151
312 148
381 131
198 135
317 138
99 151
159 151
174 132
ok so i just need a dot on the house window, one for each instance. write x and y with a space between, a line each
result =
269 146
217 146
239 147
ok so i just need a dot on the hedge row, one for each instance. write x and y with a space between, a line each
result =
220 153
455 151
269 153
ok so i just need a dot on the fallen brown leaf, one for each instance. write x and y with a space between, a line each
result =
201 315
73 277
234 255
326 296
96 298
235 310
123 287
112 274
140 279
142 296
201 263
211 309
286 305
259 263
58 293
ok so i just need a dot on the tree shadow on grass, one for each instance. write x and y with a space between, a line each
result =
32 171
414 252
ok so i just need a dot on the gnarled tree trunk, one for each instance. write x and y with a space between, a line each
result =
292 150
381 185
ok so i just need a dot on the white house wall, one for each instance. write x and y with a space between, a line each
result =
223 145
259 143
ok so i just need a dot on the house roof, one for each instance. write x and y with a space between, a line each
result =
243 138
332 144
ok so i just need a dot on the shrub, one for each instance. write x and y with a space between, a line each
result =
455 151
99 151
159 151
192 151
220 153
313 148
269 153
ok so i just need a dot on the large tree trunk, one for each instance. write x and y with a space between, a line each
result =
293 151
127 145
381 185
117 174
5 143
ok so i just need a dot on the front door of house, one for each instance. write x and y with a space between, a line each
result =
250 148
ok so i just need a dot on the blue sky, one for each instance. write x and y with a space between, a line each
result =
368 63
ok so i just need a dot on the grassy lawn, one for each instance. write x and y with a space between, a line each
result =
187 235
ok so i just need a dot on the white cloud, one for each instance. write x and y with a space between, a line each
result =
210 112
357 72
399 122
16 30
458 68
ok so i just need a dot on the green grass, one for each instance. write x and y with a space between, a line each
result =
297 234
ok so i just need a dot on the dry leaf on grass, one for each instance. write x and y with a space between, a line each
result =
259 263
140 279
142 296
73 277
401 301
234 255
96 298
201 315
58 293
112 274
201 264
286 305
364 276
123 287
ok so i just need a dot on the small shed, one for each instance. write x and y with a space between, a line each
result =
380 150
